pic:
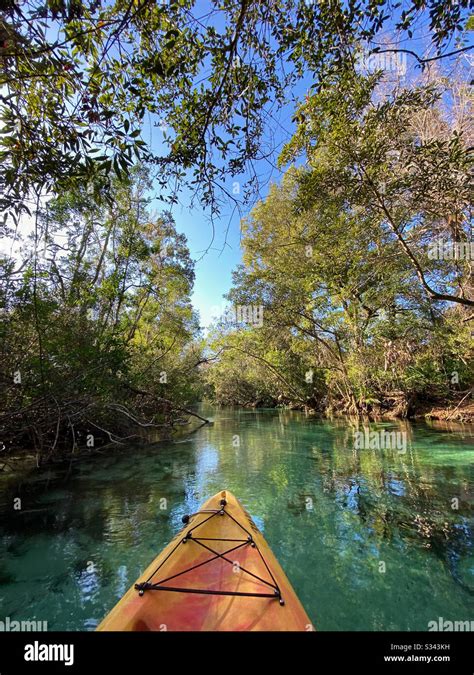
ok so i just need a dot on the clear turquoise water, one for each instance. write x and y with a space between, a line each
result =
83 535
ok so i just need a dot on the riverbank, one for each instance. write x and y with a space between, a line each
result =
460 410
456 413
25 460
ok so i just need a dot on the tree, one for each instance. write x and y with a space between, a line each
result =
79 78
416 188
375 328
100 303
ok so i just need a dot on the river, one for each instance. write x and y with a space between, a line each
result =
371 539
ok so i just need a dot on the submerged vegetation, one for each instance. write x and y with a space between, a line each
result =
349 297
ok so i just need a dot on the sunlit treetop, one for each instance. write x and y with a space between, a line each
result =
85 85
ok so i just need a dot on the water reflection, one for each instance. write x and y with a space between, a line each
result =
371 539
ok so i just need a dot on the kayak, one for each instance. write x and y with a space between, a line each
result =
217 574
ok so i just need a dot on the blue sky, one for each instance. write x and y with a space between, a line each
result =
216 258
217 255
213 267
215 261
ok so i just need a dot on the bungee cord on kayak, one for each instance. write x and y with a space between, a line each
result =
220 574
249 541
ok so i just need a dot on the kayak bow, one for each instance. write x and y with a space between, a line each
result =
217 574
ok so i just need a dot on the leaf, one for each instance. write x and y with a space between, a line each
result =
117 168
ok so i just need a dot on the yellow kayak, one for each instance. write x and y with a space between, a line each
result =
217 574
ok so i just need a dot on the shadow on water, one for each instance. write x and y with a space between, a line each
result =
372 539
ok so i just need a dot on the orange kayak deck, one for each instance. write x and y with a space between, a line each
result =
217 574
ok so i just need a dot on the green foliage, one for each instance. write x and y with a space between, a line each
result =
99 309
256 369
338 257
80 78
